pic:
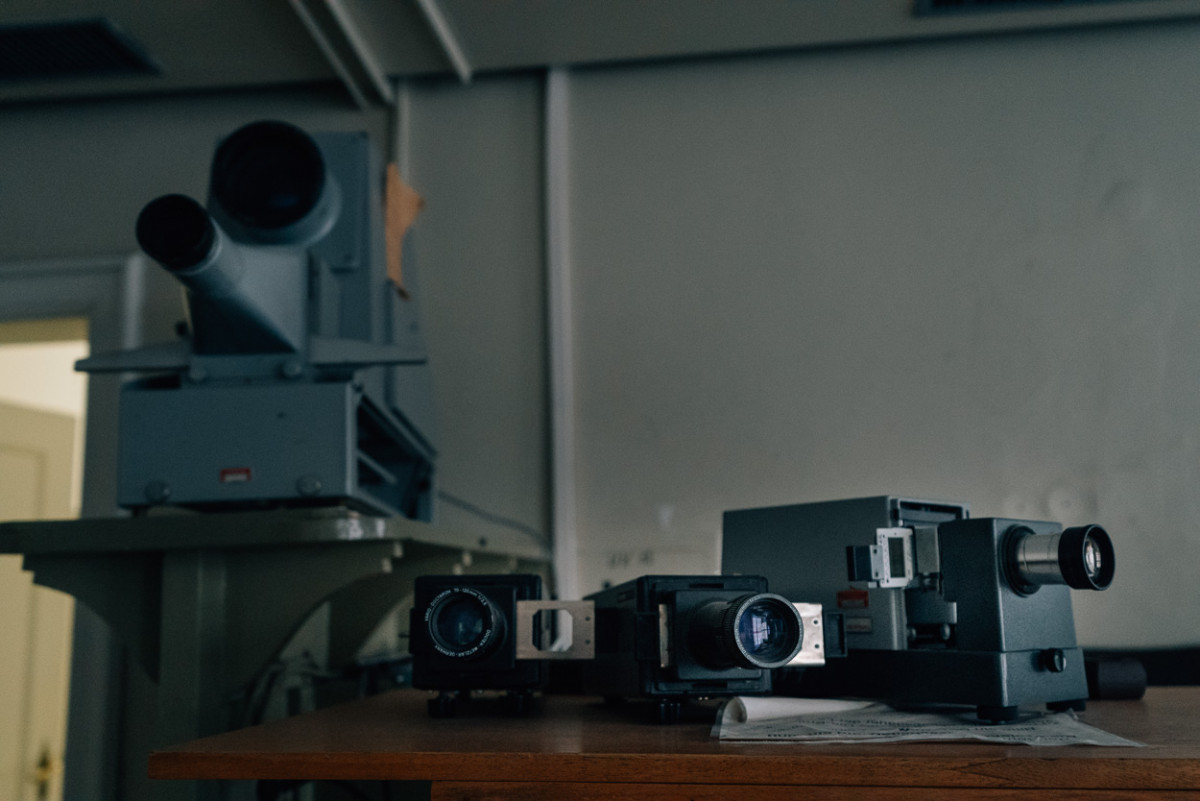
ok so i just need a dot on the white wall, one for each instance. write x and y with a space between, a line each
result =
962 270
476 158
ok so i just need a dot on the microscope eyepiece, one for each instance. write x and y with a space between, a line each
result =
268 175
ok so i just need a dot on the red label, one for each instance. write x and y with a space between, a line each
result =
235 475
853 599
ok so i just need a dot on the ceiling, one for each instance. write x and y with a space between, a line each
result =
199 45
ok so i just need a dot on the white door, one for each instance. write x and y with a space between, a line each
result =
36 456
107 293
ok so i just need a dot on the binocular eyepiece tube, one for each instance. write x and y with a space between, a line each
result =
1081 557
269 184
177 232
244 256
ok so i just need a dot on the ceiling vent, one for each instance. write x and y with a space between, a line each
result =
71 49
933 7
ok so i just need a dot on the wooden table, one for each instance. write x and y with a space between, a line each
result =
578 748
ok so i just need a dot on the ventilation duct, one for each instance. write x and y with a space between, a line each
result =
70 49
934 7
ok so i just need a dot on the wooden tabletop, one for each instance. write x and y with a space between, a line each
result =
582 740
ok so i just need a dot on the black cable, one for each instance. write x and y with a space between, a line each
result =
495 519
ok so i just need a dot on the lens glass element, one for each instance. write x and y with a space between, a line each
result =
766 632
462 623
1093 561
268 174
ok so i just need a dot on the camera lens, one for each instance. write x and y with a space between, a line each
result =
460 623
268 175
762 630
463 623
1081 557
767 633
175 231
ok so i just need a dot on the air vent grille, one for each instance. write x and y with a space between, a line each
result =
74 49
934 7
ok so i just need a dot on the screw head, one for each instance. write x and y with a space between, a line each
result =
157 491
308 486
1054 660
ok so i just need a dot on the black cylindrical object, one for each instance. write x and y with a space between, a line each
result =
1122 678
268 175
1081 557
176 231
760 630
1087 557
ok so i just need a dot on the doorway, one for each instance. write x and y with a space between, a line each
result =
104 298
42 409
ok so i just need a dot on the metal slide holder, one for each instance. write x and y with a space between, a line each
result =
582 644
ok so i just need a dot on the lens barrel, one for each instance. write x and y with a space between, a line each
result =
463 623
1081 558
761 630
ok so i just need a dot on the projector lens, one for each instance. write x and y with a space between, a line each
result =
761 630
768 632
463 623
1081 557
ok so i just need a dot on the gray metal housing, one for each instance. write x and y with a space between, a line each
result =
991 646
801 550
303 379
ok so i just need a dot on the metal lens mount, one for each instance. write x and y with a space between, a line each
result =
1081 557
762 630
463 623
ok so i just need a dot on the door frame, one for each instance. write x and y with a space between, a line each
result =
109 291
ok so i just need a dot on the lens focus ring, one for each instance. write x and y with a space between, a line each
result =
762 631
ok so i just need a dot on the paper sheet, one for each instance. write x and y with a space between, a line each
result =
819 720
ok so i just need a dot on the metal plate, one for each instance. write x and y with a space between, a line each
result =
583 630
